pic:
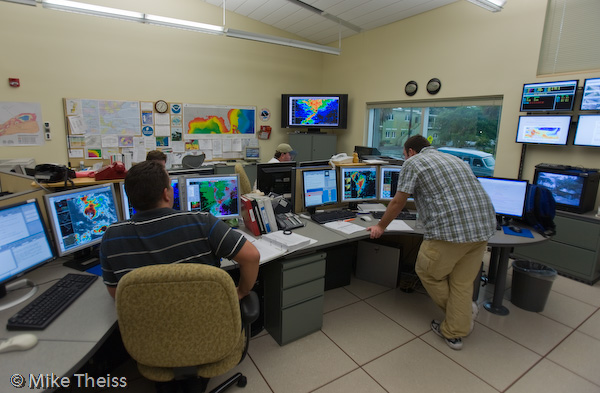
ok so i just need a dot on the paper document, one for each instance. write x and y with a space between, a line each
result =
371 207
398 225
290 242
344 227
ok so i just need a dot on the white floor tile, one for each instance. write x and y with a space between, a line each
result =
548 377
579 354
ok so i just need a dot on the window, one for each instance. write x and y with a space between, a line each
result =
468 124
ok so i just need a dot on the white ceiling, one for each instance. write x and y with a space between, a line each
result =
320 21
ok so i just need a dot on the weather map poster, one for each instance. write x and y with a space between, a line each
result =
208 121
21 124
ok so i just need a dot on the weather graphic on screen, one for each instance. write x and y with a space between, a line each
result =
360 184
317 111
541 133
216 196
86 218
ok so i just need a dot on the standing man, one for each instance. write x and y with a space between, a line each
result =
284 152
157 234
459 219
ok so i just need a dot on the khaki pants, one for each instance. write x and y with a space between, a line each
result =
447 271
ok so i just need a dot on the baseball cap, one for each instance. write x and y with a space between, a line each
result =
284 148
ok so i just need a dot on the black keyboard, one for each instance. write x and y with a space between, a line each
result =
38 314
400 216
332 215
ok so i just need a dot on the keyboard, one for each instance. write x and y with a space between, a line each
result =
400 216
332 215
38 314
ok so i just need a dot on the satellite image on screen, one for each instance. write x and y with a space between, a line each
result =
360 184
323 111
219 197
85 218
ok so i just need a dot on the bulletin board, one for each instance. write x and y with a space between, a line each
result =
99 131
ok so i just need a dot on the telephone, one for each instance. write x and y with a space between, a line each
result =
116 170
288 221
49 173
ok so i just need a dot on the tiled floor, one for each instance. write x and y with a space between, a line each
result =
376 339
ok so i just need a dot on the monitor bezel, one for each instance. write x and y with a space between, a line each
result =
382 169
184 193
260 173
580 207
558 83
577 129
54 225
346 168
585 86
567 132
317 169
504 179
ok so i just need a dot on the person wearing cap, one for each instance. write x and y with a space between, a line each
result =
284 152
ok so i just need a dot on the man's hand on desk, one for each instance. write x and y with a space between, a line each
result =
376 231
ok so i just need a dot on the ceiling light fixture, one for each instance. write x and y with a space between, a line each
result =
183 24
90 9
490 5
282 41
25 2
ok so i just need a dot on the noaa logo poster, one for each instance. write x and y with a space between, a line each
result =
175 109
147 131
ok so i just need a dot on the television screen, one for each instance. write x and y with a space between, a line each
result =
549 130
549 96
319 187
388 182
507 195
590 99
218 195
358 184
566 188
79 217
314 110
588 131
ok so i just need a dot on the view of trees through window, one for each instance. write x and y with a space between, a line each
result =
468 131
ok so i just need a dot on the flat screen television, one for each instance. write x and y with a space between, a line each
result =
549 96
216 194
24 246
508 196
358 184
590 98
79 217
319 188
545 130
574 190
388 182
314 111
128 211
588 131
275 177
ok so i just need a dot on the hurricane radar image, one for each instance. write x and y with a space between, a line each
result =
360 185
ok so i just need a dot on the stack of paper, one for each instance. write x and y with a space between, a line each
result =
290 241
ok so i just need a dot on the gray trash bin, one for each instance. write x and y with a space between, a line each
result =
531 284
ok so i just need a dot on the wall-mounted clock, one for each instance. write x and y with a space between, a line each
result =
434 85
161 106
411 88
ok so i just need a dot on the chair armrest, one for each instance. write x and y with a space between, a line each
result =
250 308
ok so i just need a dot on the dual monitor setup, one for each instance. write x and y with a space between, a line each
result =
555 98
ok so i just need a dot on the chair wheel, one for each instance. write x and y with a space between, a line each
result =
242 382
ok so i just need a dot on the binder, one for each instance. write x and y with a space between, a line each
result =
249 217
263 214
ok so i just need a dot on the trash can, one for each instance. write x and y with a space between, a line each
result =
531 284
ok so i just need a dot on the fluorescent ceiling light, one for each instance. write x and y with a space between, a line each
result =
183 24
282 41
89 9
25 2
490 5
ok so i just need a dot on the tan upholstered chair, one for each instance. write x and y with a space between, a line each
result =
183 322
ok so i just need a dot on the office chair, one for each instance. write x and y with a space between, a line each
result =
193 161
182 324
245 186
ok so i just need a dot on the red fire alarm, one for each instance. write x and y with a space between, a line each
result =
14 82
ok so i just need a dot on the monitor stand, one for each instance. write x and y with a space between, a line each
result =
502 221
313 130
83 260
5 288
353 206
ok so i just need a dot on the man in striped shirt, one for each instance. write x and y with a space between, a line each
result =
459 219
157 234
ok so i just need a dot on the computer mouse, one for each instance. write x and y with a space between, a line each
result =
514 229
366 218
22 342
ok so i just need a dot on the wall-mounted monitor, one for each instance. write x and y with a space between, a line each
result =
507 195
358 183
388 182
590 98
547 130
128 211
588 131
574 190
314 111
217 194
319 188
549 96
80 216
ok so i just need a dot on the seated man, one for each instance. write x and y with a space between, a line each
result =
157 234
157 155
283 153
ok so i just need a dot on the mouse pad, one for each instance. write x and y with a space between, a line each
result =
97 270
524 232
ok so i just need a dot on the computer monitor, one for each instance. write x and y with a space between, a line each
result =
549 96
574 189
303 164
588 131
217 194
78 219
275 177
590 98
358 184
24 245
251 153
388 182
507 195
128 211
366 151
319 188
546 130
203 170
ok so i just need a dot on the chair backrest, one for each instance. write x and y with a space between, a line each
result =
178 315
245 186
192 161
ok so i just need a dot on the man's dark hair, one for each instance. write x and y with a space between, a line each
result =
156 155
416 142
278 154
144 184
